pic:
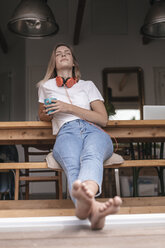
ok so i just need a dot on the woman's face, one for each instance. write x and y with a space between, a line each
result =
64 58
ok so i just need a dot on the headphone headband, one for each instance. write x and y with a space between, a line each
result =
69 82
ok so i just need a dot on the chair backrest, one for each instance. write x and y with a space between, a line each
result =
41 150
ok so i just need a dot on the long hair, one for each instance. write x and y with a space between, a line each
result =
51 69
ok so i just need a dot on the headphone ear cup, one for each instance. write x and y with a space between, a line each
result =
60 81
70 82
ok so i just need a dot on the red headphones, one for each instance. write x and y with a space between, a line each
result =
69 82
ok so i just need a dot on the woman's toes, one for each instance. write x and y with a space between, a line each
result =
83 185
110 201
103 208
76 184
108 204
117 200
86 190
90 194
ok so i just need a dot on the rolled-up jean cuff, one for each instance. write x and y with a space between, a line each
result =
99 192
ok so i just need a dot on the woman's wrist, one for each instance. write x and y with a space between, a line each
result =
70 108
46 117
50 117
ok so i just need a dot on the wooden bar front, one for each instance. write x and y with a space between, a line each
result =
39 132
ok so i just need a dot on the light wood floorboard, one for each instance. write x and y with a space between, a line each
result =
32 208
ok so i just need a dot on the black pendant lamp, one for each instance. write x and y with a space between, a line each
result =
33 19
154 23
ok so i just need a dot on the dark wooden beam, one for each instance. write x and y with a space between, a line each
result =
3 42
79 18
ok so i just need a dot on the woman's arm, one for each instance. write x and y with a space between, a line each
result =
42 113
97 114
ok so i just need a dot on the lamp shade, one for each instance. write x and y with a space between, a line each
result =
33 19
154 23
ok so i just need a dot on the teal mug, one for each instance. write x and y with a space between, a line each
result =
48 101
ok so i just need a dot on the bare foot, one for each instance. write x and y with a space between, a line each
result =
101 209
84 198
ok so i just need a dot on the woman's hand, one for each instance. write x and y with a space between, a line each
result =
43 116
57 106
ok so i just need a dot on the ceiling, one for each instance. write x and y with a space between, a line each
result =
108 10
77 28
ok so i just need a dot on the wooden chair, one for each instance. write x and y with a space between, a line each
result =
6 184
8 153
147 150
41 150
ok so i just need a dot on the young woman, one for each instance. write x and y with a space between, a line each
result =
81 145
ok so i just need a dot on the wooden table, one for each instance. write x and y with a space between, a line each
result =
38 132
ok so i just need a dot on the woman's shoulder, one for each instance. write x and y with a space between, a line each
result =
86 82
47 83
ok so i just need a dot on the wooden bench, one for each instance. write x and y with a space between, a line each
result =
43 165
37 132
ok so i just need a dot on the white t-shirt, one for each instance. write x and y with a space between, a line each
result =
81 94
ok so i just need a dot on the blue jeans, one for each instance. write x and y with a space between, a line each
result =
81 149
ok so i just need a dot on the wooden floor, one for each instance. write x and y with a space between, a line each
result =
75 233
119 235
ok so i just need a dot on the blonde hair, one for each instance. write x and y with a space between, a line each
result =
51 69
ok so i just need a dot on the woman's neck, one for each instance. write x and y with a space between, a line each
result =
64 73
